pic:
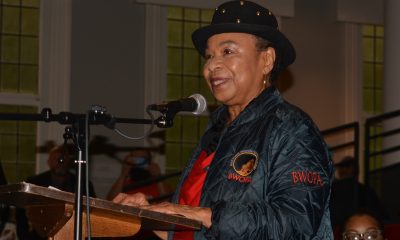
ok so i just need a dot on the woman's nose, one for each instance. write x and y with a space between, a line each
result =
214 64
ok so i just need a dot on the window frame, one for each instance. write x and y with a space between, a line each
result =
54 72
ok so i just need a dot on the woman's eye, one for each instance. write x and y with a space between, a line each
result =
208 56
227 51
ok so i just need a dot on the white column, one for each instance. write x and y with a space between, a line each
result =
54 69
155 68
392 73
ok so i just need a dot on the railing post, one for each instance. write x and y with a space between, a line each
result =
366 153
357 142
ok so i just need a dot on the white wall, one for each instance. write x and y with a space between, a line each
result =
107 69
317 76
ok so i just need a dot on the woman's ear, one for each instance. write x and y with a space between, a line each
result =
268 59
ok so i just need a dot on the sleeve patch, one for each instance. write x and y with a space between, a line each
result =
307 178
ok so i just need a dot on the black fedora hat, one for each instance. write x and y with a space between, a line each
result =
246 17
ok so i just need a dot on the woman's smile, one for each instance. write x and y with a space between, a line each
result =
218 81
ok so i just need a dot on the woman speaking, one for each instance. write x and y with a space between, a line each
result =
261 169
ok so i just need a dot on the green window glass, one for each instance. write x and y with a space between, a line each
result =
373 53
19 59
18 144
372 42
184 76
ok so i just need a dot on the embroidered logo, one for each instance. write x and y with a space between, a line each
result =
307 178
244 163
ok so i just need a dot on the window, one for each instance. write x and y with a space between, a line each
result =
373 68
18 144
19 50
19 46
373 52
184 78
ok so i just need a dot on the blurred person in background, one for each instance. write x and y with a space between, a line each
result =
364 226
61 176
138 166
350 196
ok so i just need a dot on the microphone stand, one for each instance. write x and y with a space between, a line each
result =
78 122
166 120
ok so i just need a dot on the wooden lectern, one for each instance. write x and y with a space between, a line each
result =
51 213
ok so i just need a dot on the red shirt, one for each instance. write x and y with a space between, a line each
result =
191 189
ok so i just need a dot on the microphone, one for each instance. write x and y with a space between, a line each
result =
195 103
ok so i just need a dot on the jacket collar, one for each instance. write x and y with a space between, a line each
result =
260 105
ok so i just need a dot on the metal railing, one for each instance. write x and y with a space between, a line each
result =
371 124
341 130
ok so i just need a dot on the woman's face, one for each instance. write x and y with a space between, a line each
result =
235 70
247 168
362 224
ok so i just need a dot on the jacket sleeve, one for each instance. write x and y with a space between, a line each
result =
294 192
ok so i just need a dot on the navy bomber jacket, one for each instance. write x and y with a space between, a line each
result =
270 177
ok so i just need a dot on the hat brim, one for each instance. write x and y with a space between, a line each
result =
282 45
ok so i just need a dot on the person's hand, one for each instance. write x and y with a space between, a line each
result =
136 200
197 213
139 200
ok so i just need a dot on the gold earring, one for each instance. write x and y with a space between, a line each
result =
265 78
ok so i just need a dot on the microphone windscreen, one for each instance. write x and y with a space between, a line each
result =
201 103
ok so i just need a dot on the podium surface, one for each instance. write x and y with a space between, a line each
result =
51 213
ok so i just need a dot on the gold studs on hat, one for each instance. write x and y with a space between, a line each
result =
238 20
223 11
216 9
241 3
258 13
269 13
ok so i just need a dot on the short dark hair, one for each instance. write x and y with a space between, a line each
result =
366 212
